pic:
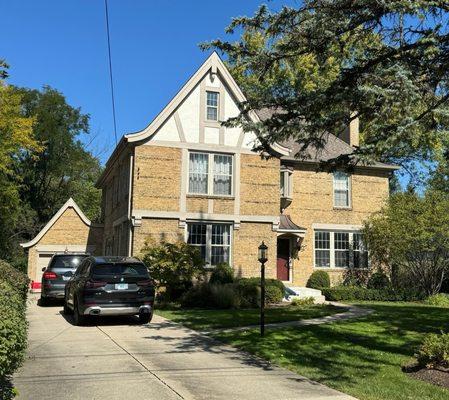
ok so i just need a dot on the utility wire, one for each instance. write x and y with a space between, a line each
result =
110 70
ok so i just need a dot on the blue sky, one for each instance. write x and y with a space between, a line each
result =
154 51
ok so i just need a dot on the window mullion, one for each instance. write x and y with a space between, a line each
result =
332 250
208 244
210 174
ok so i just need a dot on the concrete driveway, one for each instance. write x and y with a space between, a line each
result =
119 359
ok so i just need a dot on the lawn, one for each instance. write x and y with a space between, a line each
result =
212 319
360 357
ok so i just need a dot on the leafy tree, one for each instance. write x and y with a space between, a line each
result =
174 266
410 237
63 168
324 63
16 140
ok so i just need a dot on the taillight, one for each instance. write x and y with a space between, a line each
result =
147 282
94 284
49 275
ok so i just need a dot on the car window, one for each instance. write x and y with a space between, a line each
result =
67 261
133 270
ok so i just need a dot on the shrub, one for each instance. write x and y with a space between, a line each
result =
434 351
222 274
199 296
438 300
173 266
356 276
273 294
13 325
225 296
249 290
306 301
351 293
318 280
378 280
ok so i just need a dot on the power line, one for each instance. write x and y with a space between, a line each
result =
110 70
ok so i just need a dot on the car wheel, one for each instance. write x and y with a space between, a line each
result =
145 318
78 318
67 309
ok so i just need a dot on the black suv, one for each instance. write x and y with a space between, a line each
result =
56 275
110 286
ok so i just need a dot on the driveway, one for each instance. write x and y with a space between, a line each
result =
119 359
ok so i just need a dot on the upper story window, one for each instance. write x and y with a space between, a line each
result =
212 102
340 250
342 189
210 174
286 183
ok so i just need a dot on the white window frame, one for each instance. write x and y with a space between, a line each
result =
332 249
349 190
217 107
286 177
211 174
209 239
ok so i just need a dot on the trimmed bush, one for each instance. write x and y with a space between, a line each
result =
13 325
318 280
351 293
225 296
249 290
434 351
378 280
198 296
222 274
273 294
438 300
307 301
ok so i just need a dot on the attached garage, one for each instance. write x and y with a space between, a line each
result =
68 230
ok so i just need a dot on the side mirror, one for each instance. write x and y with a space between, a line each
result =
43 269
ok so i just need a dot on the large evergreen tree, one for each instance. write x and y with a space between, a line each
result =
328 61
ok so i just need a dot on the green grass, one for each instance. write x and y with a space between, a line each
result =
360 357
212 319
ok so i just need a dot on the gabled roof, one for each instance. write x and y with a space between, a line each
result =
70 203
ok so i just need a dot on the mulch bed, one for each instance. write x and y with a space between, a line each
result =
437 376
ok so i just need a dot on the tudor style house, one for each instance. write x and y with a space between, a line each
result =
187 177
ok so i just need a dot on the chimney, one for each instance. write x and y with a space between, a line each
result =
351 134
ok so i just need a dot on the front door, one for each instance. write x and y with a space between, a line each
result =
283 259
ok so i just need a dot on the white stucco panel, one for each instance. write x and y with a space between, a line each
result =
168 131
211 135
188 113
215 82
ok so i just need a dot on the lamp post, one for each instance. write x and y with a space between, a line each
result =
263 258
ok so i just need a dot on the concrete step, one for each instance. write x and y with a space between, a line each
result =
298 292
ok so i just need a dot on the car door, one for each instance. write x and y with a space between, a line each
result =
72 285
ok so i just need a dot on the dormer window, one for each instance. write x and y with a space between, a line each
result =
212 102
286 183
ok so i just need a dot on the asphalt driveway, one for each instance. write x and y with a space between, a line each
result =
119 359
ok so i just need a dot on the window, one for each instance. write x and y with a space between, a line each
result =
286 183
212 106
210 174
341 189
340 250
213 241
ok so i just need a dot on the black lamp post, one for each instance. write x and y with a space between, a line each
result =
263 258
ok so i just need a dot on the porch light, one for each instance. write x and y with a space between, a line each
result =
263 253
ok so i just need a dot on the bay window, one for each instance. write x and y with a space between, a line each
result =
340 250
210 174
213 241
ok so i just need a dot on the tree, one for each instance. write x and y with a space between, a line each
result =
64 167
324 63
410 238
16 140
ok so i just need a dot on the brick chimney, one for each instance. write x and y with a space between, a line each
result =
351 134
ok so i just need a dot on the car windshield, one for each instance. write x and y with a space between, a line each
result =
133 270
67 261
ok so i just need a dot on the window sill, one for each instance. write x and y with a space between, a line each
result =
342 208
340 268
210 196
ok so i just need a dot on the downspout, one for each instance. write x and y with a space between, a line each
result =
130 197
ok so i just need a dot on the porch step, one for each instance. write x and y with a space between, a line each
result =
296 292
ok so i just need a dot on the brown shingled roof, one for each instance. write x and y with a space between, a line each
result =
286 223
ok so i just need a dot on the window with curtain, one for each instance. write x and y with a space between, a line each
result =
212 106
213 240
210 174
341 189
340 250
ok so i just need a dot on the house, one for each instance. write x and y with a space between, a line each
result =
187 177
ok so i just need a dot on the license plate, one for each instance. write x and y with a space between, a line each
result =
65 278
121 286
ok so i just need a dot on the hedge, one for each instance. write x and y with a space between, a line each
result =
350 293
13 325
318 280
